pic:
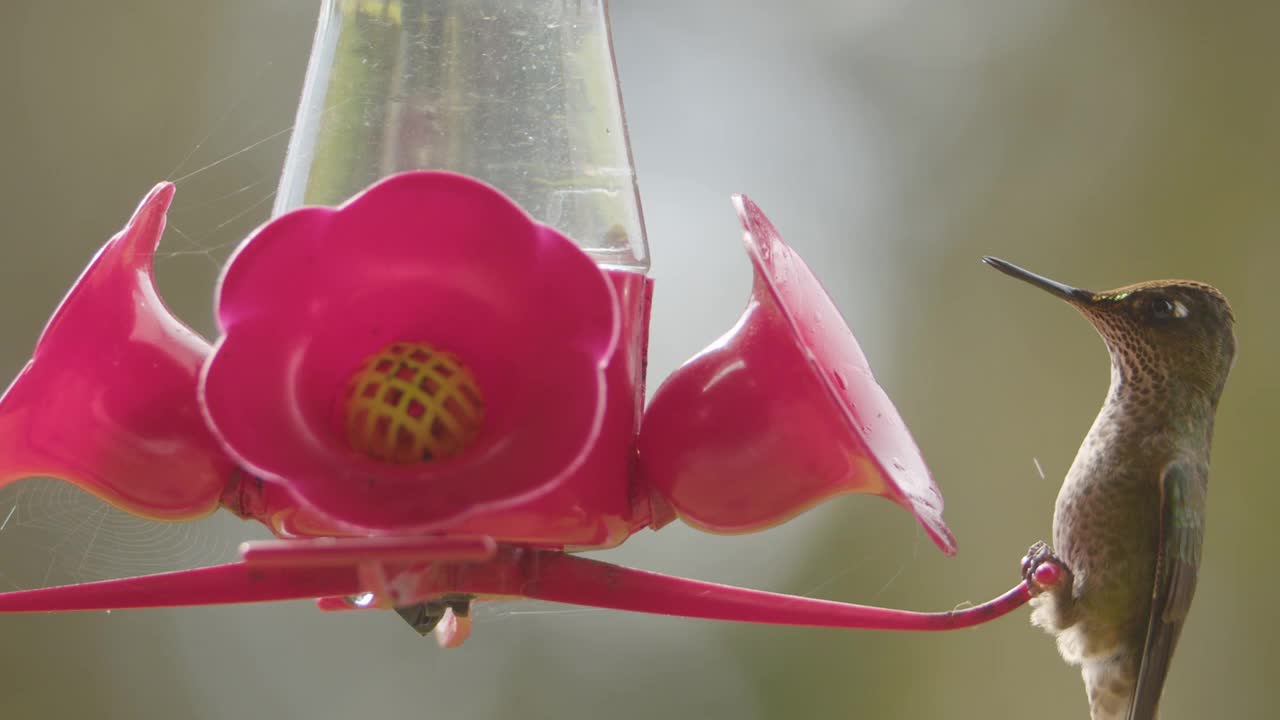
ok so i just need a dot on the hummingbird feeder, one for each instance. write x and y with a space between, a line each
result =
432 392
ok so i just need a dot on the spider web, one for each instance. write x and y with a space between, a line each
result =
53 533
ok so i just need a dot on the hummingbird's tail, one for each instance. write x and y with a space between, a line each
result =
1110 684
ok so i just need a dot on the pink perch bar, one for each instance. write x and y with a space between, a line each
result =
294 570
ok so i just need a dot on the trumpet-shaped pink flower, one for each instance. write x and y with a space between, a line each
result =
788 413
108 400
421 260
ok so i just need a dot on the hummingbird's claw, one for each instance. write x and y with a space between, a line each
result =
1041 569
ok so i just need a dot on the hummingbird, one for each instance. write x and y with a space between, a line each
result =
1129 520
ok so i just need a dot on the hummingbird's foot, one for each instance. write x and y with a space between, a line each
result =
1041 569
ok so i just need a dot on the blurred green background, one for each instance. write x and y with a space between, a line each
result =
893 143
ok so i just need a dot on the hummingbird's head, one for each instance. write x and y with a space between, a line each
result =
1162 335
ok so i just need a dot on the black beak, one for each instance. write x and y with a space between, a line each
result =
1066 292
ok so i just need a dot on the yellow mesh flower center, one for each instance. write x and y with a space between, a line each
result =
410 403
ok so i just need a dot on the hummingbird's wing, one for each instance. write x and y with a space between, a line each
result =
1183 487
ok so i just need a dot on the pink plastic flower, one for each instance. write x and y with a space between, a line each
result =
108 400
782 413
420 259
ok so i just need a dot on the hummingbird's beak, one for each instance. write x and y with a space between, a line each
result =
1075 296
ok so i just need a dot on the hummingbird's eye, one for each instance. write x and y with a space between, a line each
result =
1162 308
